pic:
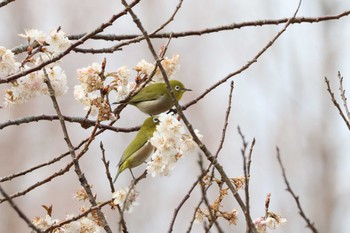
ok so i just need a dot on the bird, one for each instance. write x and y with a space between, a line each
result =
140 148
155 98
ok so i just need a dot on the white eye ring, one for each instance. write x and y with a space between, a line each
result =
155 120
177 88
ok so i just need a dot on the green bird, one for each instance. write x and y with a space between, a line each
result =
155 98
140 148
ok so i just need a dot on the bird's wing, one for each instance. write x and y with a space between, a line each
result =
134 146
146 94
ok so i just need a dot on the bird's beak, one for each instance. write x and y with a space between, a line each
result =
186 89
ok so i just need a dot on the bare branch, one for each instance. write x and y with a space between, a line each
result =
246 169
229 27
207 153
228 111
85 123
10 177
99 29
246 66
295 197
343 96
213 217
169 20
18 211
336 104
84 214
83 181
137 38
223 136
106 164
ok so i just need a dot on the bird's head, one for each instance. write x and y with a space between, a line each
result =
149 125
178 88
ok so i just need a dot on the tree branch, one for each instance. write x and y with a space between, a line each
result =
18 211
295 197
99 29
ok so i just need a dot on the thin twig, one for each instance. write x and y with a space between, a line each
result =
84 214
99 29
295 197
182 202
224 129
207 153
130 39
19 211
197 207
201 145
22 173
228 27
223 136
213 217
247 182
134 182
83 181
336 104
246 170
343 96
106 164
169 20
85 123
247 65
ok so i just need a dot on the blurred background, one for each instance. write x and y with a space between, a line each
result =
280 101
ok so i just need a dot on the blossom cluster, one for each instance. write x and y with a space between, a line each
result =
96 85
8 64
216 211
170 65
90 91
32 84
126 198
84 224
87 224
271 221
54 43
171 142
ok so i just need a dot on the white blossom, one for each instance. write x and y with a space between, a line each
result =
124 91
84 224
260 225
34 34
171 142
170 65
44 223
144 67
33 85
8 65
58 80
89 77
126 198
272 221
89 91
123 74
58 41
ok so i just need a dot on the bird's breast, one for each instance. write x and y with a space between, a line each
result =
154 107
141 155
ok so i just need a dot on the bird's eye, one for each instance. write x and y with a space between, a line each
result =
155 119
177 88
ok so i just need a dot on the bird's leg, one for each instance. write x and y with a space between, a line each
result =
132 174
172 110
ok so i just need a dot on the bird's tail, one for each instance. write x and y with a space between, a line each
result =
116 176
